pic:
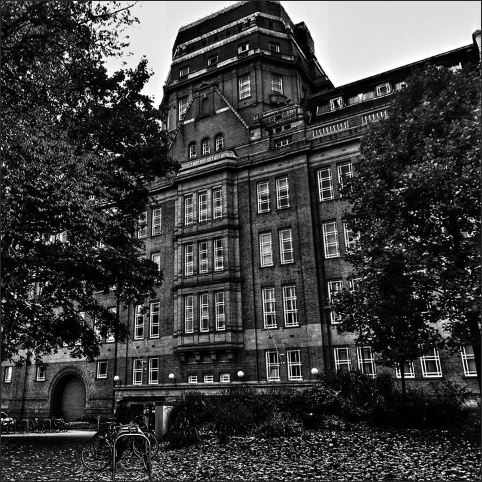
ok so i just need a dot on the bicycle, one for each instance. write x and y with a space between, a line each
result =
149 433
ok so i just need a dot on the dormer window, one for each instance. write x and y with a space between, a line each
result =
184 71
192 150
213 60
383 89
206 146
336 103
218 142
244 47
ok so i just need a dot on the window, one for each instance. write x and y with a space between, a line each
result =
277 83
218 143
156 221
188 259
203 206
101 371
244 47
350 238
344 173
189 209
265 249
217 203
262 190
182 107
192 379
269 308
212 60
431 367
325 184
366 362
286 246
468 361
138 323
336 103
274 47
208 378
220 311
142 225
282 193
153 371
290 306
353 284
203 257
192 150
408 371
184 71
244 87
188 314
272 366
342 358
41 373
333 288
7 374
154 320
225 377
218 254
282 142
384 89
330 240
111 336
137 371
204 312
294 364
205 147
156 258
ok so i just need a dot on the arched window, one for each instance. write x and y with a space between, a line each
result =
192 150
206 146
218 142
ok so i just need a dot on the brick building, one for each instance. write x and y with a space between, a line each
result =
249 235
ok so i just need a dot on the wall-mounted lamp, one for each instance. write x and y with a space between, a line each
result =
171 376
314 371
240 374
116 380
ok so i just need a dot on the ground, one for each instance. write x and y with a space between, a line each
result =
359 454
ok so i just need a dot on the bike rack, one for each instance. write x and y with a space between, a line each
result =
131 431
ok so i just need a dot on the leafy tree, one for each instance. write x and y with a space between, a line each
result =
415 200
79 147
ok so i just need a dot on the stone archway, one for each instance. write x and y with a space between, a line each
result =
68 398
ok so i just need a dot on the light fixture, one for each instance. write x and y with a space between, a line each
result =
116 379
171 376
240 374
314 371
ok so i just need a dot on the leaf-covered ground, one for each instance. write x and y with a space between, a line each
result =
360 454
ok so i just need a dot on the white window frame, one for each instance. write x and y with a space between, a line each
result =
203 257
244 87
347 234
156 227
40 374
383 89
286 246
189 209
182 104
192 379
330 239
220 310
244 47
217 200
225 377
188 259
274 47
156 258
153 370
154 319
435 357
282 193
202 206
277 83
269 307
348 173
110 338
138 323
324 176
7 374
205 146
184 71
290 306
266 249
208 379
218 254
137 369
466 359
262 192
101 374
334 286
188 314
294 365
192 150
409 371
365 357
272 366
142 225
336 103
213 60
218 143
342 362
204 312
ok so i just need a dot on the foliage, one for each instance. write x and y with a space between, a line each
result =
279 424
235 418
415 200
78 149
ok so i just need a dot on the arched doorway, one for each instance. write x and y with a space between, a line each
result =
68 399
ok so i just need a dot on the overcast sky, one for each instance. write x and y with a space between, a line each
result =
353 39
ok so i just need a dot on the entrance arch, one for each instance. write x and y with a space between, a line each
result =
68 398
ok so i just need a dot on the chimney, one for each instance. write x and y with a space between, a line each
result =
476 39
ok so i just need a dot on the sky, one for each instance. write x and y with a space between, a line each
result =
353 39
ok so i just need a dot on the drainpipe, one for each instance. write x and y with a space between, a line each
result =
27 363
116 332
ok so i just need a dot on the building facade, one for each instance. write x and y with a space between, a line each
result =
250 234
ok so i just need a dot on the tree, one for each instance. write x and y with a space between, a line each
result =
415 200
79 148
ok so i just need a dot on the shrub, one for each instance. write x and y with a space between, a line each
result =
233 418
279 424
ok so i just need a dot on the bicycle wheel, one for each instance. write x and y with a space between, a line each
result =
96 461
139 445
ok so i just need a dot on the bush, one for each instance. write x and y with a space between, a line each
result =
233 418
279 424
